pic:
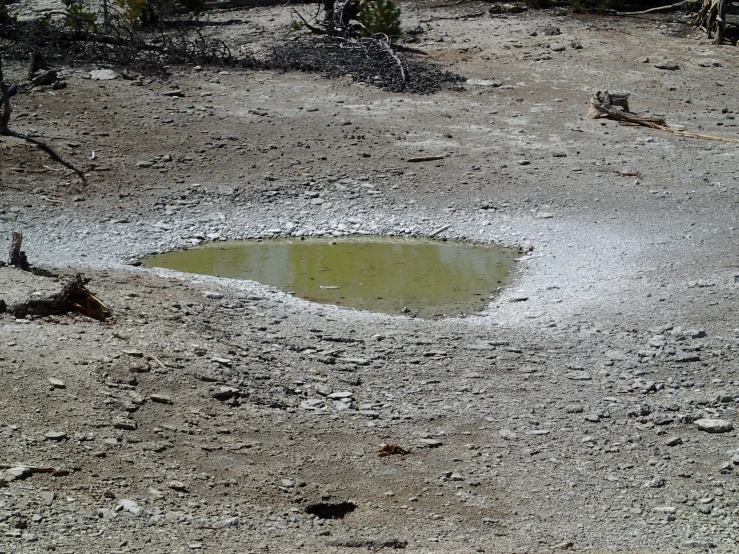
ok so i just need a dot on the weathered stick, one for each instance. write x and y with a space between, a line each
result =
661 8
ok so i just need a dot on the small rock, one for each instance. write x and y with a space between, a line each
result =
714 425
213 295
161 398
230 522
55 436
656 483
673 441
132 507
57 383
340 395
125 423
667 66
103 75
178 486
176 92
224 393
430 443
144 164
18 472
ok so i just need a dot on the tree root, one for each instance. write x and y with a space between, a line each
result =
73 298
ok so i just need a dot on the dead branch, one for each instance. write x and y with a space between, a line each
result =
73 298
662 8
53 155
385 44
605 104
6 93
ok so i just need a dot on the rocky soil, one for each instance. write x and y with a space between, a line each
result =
590 408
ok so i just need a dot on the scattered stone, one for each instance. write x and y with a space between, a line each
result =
483 83
673 441
55 436
178 486
507 434
229 522
125 423
213 295
103 75
430 443
18 472
132 507
714 425
225 393
667 66
340 395
161 398
57 383
370 544
656 483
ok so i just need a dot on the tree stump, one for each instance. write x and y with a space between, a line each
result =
17 257
712 19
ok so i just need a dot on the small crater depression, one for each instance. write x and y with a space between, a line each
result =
330 510
417 277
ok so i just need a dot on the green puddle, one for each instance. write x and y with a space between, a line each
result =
420 277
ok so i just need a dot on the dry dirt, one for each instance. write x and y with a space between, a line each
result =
200 417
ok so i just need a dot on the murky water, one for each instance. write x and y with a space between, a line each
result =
420 277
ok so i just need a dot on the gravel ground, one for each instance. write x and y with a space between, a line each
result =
590 408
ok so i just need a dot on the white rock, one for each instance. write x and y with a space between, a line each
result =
103 75
714 425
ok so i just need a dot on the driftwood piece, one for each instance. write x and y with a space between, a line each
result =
17 257
615 106
73 298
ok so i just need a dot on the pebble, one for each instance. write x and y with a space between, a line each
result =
213 295
430 443
507 434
